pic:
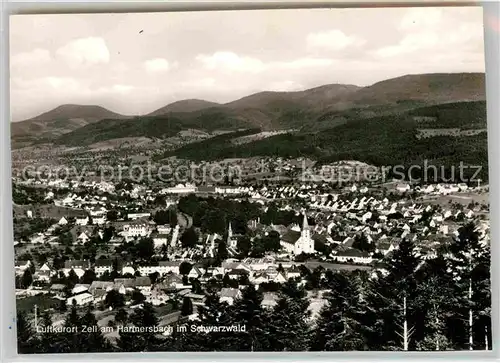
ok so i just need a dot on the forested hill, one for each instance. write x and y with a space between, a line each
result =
385 140
312 109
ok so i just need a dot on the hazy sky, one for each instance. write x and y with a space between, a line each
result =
136 63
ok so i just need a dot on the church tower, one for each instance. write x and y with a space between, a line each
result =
229 233
305 232
231 242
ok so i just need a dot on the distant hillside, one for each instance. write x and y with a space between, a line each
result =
429 88
317 97
313 110
149 126
385 140
59 121
184 106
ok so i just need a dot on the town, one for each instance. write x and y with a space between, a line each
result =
115 246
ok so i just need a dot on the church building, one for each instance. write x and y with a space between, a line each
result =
298 244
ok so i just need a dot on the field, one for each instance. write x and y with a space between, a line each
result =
462 198
335 266
50 211
259 136
43 302
457 132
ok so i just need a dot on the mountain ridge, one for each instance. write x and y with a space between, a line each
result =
320 106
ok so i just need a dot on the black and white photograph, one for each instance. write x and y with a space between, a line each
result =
280 180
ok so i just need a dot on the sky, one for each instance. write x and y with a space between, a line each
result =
136 63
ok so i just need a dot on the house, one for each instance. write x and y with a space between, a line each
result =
403 187
133 216
135 230
82 221
78 266
103 286
143 283
57 290
352 255
99 220
280 278
196 299
172 280
83 238
270 300
170 266
195 273
160 240
237 273
102 266
43 273
62 222
293 272
303 244
384 246
80 288
229 295
162 268
258 264
128 268
22 266
164 229
80 299
124 284
260 278
180 189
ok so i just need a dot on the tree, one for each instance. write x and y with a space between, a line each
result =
121 316
248 311
26 279
108 234
50 342
145 248
137 297
289 329
196 287
26 338
163 217
63 306
65 239
222 252
73 321
112 215
72 278
185 267
339 326
470 265
436 302
213 313
361 243
187 307
154 277
114 299
92 340
88 277
189 238
145 340
244 246
58 262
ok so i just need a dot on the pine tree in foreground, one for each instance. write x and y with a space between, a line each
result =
289 327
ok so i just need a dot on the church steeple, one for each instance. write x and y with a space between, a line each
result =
305 224
305 233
